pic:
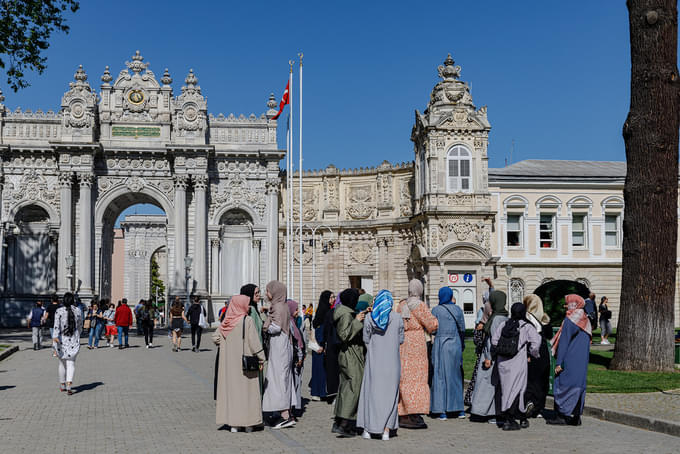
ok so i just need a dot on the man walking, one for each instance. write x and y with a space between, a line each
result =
123 320
35 322
194 315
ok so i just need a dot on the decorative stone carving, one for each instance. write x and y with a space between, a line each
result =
78 109
85 180
405 202
181 182
200 182
360 202
136 184
34 186
331 193
235 190
309 204
385 190
516 290
463 230
361 252
190 111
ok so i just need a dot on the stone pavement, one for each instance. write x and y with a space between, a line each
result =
148 401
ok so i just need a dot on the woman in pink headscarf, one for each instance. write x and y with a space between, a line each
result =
298 356
571 348
238 391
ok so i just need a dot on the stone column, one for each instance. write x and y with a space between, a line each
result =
180 231
85 236
273 229
65 231
215 266
200 235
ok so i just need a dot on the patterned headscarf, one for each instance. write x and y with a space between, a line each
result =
577 315
382 306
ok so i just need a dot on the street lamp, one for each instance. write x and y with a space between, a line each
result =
70 261
312 243
187 274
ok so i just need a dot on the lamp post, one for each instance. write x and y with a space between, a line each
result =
312 244
70 261
187 274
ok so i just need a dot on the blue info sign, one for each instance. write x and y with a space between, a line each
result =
467 277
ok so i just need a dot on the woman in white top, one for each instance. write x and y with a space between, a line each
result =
68 322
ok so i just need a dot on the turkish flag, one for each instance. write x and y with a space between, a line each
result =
284 100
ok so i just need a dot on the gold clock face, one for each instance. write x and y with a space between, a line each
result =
136 96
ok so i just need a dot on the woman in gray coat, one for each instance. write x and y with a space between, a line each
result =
379 399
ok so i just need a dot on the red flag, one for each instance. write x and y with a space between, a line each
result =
284 101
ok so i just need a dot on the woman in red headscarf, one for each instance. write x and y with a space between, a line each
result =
238 391
571 348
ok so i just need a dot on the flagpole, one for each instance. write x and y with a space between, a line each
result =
287 213
300 55
291 287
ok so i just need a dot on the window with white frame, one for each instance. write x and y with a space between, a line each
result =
546 231
612 230
459 170
514 230
579 236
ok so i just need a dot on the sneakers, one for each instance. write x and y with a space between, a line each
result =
366 435
443 417
461 415
150 345
316 398
233 430
147 346
284 423
524 424
492 421
530 409
605 342
110 345
386 436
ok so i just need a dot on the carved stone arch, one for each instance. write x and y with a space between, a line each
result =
416 268
613 200
580 200
236 216
152 193
515 200
53 216
235 206
463 251
584 281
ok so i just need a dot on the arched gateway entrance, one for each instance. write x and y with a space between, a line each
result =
67 176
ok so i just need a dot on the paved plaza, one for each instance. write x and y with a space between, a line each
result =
147 401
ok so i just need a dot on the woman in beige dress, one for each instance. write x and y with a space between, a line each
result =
238 391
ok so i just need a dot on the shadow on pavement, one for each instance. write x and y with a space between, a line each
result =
87 387
2 388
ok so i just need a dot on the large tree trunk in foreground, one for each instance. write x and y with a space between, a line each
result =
644 338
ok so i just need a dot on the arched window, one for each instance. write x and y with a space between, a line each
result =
516 290
459 173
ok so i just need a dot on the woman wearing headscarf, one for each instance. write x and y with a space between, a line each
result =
379 399
478 340
484 396
571 348
252 291
317 384
365 300
539 368
68 323
348 327
414 392
279 379
512 370
238 391
331 348
447 357
298 356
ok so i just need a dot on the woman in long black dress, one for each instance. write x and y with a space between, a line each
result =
539 368
331 348
317 384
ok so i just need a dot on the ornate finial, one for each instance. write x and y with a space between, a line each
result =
106 77
2 97
191 80
80 75
271 103
166 79
137 65
449 71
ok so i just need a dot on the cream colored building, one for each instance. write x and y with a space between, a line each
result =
450 220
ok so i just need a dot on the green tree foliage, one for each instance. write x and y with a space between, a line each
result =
157 284
25 30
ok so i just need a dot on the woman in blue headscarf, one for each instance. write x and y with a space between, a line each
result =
379 399
447 357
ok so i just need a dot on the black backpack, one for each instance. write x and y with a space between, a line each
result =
508 343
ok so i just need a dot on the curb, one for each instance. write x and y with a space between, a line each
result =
8 352
627 419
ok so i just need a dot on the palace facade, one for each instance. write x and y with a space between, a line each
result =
445 217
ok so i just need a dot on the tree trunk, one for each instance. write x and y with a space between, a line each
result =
644 338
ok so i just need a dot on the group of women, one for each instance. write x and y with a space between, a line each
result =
371 358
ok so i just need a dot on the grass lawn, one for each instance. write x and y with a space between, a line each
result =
3 347
600 379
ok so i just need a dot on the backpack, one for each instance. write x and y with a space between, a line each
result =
508 343
146 315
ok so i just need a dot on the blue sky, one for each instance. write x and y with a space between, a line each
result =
555 75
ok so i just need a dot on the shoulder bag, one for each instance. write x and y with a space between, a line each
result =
249 363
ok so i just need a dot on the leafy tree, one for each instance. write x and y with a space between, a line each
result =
644 338
25 30
157 284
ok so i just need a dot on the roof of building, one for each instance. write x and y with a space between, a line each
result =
549 169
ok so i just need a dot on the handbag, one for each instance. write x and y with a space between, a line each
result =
86 324
201 320
248 363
